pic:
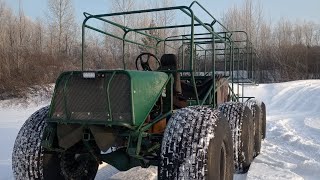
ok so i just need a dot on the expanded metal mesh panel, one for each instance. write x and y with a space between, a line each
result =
78 98
87 98
120 97
59 111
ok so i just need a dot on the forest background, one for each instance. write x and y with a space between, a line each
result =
33 52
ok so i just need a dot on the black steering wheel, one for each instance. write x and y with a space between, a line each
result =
148 64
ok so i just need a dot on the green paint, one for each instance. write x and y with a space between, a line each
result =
145 89
147 86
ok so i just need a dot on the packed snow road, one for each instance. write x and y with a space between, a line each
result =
291 149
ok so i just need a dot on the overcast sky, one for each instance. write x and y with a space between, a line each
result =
273 9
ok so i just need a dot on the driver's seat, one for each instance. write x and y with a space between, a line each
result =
169 62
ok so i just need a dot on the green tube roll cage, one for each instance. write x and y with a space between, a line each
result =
234 54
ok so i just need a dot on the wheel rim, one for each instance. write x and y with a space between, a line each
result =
223 159
72 166
76 164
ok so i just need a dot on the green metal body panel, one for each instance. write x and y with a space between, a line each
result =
145 89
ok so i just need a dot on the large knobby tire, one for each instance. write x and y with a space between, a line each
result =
29 158
257 125
197 144
240 120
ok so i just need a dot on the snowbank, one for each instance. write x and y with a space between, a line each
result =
292 147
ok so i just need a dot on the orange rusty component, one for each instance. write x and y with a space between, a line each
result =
160 126
157 128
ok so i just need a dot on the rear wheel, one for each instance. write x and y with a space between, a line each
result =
264 120
31 161
257 123
197 144
240 120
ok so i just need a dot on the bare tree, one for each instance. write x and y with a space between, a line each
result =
317 36
38 36
123 6
297 33
248 17
61 16
309 32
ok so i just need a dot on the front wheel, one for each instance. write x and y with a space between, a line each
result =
31 161
197 144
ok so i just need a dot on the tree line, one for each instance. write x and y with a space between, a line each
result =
36 51
287 49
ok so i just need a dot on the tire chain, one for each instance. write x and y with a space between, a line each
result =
188 132
251 104
25 163
234 112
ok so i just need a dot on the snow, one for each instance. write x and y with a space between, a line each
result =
12 116
291 149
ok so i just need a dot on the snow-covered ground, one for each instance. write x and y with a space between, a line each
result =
292 147
290 151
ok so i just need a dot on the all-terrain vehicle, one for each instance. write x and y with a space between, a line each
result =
181 109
